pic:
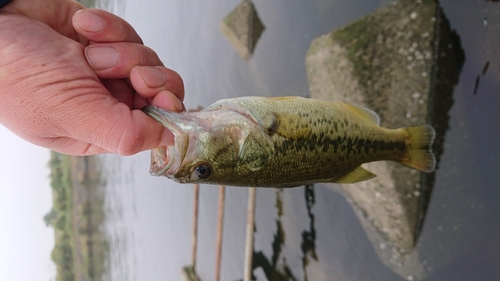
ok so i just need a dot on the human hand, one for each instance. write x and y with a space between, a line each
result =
51 96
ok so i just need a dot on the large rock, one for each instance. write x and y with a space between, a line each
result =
242 28
388 61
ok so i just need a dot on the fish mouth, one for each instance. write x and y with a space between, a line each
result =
160 161
166 161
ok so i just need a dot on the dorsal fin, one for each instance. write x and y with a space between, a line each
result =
364 113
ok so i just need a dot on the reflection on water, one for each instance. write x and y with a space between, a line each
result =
277 267
308 244
306 233
478 78
271 269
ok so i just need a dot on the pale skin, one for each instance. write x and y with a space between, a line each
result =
74 80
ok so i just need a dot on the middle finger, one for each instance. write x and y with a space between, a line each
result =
116 60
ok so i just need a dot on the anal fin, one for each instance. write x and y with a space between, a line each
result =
359 174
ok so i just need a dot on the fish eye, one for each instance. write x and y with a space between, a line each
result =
202 172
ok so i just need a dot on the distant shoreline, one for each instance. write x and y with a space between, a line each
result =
80 251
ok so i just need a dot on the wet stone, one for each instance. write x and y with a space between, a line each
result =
242 28
390 61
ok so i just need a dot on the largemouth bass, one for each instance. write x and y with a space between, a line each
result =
283 142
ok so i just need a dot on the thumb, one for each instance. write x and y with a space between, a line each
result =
120 130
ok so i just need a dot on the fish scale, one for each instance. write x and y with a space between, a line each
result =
323 156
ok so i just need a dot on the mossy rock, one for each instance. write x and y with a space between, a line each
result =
388 61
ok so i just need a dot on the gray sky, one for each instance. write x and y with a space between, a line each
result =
25 197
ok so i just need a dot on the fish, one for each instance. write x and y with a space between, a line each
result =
283 142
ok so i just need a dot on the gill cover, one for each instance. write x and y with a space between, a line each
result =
255 147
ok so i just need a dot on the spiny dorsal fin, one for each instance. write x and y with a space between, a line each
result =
359 174
364 113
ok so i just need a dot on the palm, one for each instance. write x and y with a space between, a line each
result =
54 79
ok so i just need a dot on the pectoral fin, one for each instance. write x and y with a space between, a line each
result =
359 174
289 124
253 154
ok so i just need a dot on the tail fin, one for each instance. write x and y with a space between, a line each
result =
420 155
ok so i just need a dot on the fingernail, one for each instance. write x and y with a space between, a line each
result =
175 103
166 99
88 21
152 76
101 57
178 105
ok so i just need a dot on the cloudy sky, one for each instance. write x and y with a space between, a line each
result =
25 197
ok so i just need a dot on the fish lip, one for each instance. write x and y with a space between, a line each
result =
167 160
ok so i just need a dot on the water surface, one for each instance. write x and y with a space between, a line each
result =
150 219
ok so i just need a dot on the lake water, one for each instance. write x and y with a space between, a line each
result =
149 219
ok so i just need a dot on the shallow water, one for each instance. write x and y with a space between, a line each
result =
150 219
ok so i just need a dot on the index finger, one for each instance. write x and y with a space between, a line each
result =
103 27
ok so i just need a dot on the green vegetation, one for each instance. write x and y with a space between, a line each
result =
80 250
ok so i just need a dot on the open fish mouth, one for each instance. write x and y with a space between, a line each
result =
166 161
161 160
